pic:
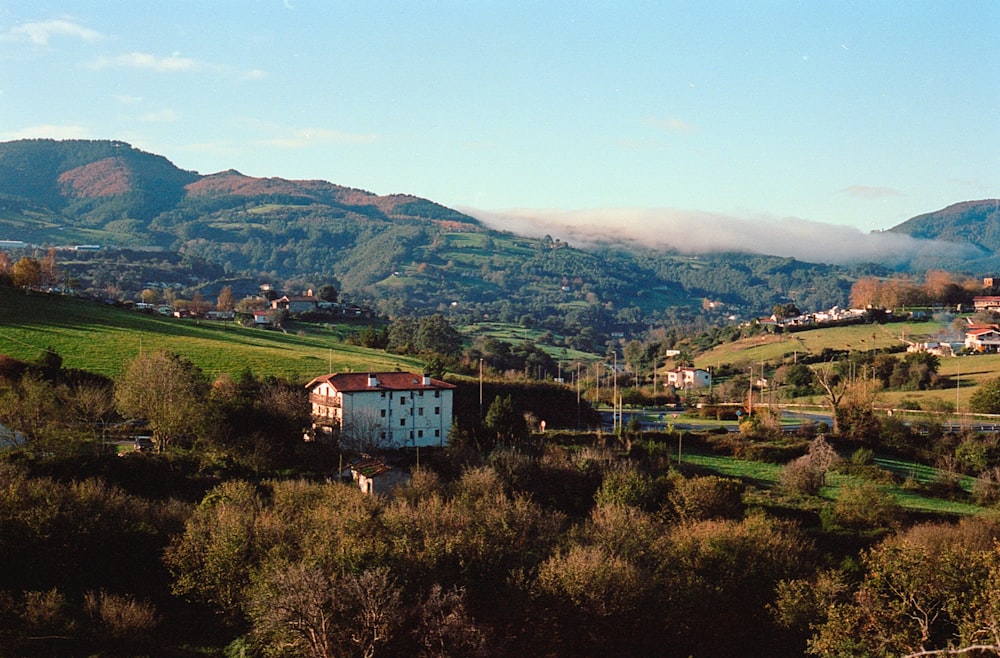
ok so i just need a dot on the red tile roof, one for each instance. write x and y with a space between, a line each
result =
349 382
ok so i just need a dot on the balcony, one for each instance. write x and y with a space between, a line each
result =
325 401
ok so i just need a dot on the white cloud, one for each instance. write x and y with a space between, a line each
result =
697 232
41 32
870 192
127 100
47 131
253 74
144 61
303 137
161 116
672 124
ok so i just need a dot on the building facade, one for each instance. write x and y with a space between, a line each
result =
387 408
688 378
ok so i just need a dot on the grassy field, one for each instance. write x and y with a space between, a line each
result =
103 339
775 347
515 334
766 476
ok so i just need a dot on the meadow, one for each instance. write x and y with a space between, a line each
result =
102 339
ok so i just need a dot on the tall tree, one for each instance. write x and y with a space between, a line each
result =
505 423
27 273
166 390
225 302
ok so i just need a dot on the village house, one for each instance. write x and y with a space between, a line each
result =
688 378
986 303
982 339
932 347
398 408
296 303
375 477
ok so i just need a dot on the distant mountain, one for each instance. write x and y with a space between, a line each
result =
972 222
100 181
162 224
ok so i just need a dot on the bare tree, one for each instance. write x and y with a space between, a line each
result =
834 388
365 431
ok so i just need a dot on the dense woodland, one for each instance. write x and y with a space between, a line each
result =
237 538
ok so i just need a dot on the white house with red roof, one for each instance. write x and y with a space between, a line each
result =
982 339
389 408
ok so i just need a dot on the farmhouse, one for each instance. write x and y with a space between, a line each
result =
688 378
375 477
391 408
296 303
986 303
985 339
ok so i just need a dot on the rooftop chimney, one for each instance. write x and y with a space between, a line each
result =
427 380
372 381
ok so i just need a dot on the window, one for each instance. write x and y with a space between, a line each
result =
402 400
383 394
437 411
437 432
383 412
437 394
420 411
402 422
420 434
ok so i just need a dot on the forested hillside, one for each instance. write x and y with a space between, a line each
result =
401 254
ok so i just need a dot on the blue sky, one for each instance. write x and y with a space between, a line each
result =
636 115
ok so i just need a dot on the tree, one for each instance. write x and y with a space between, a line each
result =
436 335
986 398
47 268
27 273
834 388
225 303
505 422
366 432
931 590
785 311
166 390
305 608
328 293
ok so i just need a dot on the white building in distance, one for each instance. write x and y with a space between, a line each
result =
392 409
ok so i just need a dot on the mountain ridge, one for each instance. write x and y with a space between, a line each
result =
400 252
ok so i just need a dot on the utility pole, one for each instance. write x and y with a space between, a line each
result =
614 397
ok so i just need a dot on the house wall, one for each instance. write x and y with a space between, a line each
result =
383 483
409 418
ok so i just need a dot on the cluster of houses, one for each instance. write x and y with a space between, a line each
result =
304 304
835 315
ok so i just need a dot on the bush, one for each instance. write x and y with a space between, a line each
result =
802 477
710 497
866 507
807 474
626 485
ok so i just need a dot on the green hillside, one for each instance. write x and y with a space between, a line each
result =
102 339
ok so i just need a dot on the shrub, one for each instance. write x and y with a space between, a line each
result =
866 507
807 474
802 477
119 616
710 497
626 485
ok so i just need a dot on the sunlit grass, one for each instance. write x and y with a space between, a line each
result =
102 339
